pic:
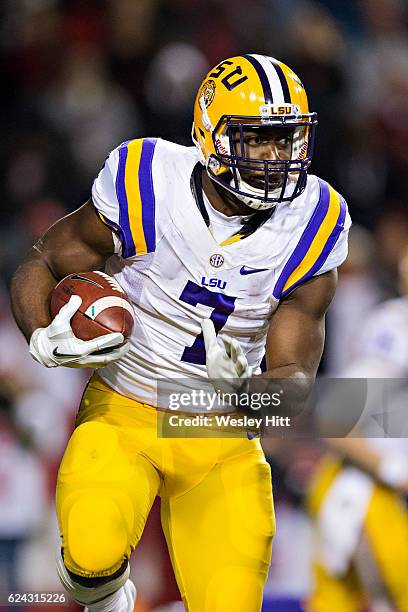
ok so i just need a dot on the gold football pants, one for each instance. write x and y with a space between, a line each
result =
216 502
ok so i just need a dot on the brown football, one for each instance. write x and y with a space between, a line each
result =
105 306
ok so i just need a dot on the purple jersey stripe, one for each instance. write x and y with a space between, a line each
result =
147 193
328 247
306 239
128 246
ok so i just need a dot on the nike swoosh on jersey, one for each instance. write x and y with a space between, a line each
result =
244 270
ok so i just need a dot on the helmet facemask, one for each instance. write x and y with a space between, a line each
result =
262 183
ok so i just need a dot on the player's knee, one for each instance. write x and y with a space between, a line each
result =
93 583
97 534
104 591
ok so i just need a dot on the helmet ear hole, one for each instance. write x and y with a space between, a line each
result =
194 132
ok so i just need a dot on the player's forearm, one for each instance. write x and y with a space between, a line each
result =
301 381
31 288
291 382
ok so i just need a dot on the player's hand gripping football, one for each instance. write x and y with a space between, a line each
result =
57 345
227 366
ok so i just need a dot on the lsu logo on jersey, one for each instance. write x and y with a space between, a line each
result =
213 282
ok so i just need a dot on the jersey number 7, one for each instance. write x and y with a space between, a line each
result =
223 306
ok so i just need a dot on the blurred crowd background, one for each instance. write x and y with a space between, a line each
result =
79 77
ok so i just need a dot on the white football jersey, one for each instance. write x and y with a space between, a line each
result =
176 273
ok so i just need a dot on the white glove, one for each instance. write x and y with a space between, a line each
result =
57 345
228 362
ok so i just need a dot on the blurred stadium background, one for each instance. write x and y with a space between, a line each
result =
80 76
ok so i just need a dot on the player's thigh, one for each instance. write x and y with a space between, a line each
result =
220 536
104 494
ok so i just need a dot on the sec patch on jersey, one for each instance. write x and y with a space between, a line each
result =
105 306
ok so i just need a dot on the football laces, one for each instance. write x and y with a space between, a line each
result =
112 282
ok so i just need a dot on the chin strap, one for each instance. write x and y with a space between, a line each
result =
254 202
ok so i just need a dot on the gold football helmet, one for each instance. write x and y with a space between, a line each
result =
254 100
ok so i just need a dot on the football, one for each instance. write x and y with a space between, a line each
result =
105 306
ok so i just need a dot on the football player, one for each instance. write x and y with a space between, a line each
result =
358 498
229 236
